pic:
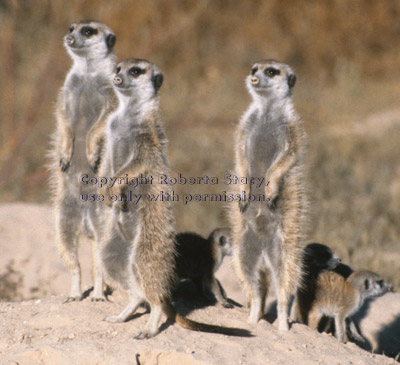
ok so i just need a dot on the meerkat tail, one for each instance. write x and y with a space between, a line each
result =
202 327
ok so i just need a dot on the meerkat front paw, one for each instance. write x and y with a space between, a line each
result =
271 193
94 163
243 206
64 163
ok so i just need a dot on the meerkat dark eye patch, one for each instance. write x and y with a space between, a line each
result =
254 70
136 71
271 72
222 241
88 31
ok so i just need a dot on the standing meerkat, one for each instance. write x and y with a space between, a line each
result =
138 246
84 103
198 259
267 236
340 298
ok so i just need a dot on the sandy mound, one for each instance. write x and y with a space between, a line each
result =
46 331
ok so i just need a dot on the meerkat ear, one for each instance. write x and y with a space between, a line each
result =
157 81
222 240
110 40
291 80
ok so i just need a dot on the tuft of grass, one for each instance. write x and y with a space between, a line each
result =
11 282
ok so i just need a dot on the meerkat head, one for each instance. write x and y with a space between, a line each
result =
368 283
138 78
89 38
319 256
221 238
270 78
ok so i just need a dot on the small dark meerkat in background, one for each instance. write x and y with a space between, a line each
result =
340 298
84 103
138 246
316 258
268 235
198 259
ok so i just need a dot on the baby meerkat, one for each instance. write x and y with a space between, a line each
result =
138 247
340 298
198 259
316 258
84 103
268 235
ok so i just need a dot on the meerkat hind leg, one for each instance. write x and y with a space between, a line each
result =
213 285
283 310
253 277
259 295
67 232
98 293
151 328
340 327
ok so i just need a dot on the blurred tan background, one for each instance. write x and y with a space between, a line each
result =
347 59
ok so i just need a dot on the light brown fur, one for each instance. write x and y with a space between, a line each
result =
340 298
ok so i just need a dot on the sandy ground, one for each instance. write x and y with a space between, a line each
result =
43 330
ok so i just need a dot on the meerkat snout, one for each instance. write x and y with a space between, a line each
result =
70 39
117 80
255 80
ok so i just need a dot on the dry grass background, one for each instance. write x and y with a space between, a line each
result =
347 58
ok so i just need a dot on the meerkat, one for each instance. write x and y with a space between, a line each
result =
138 247
84 103
268 235
340 298
198 259
316 258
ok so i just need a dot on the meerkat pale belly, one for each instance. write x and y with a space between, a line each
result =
267 234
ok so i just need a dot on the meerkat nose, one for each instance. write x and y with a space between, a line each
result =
255 80
117 80
70 39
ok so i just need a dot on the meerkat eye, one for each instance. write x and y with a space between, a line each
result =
380 283
117 70
71 29
254 70
88 31
136 71
271 72
222 241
